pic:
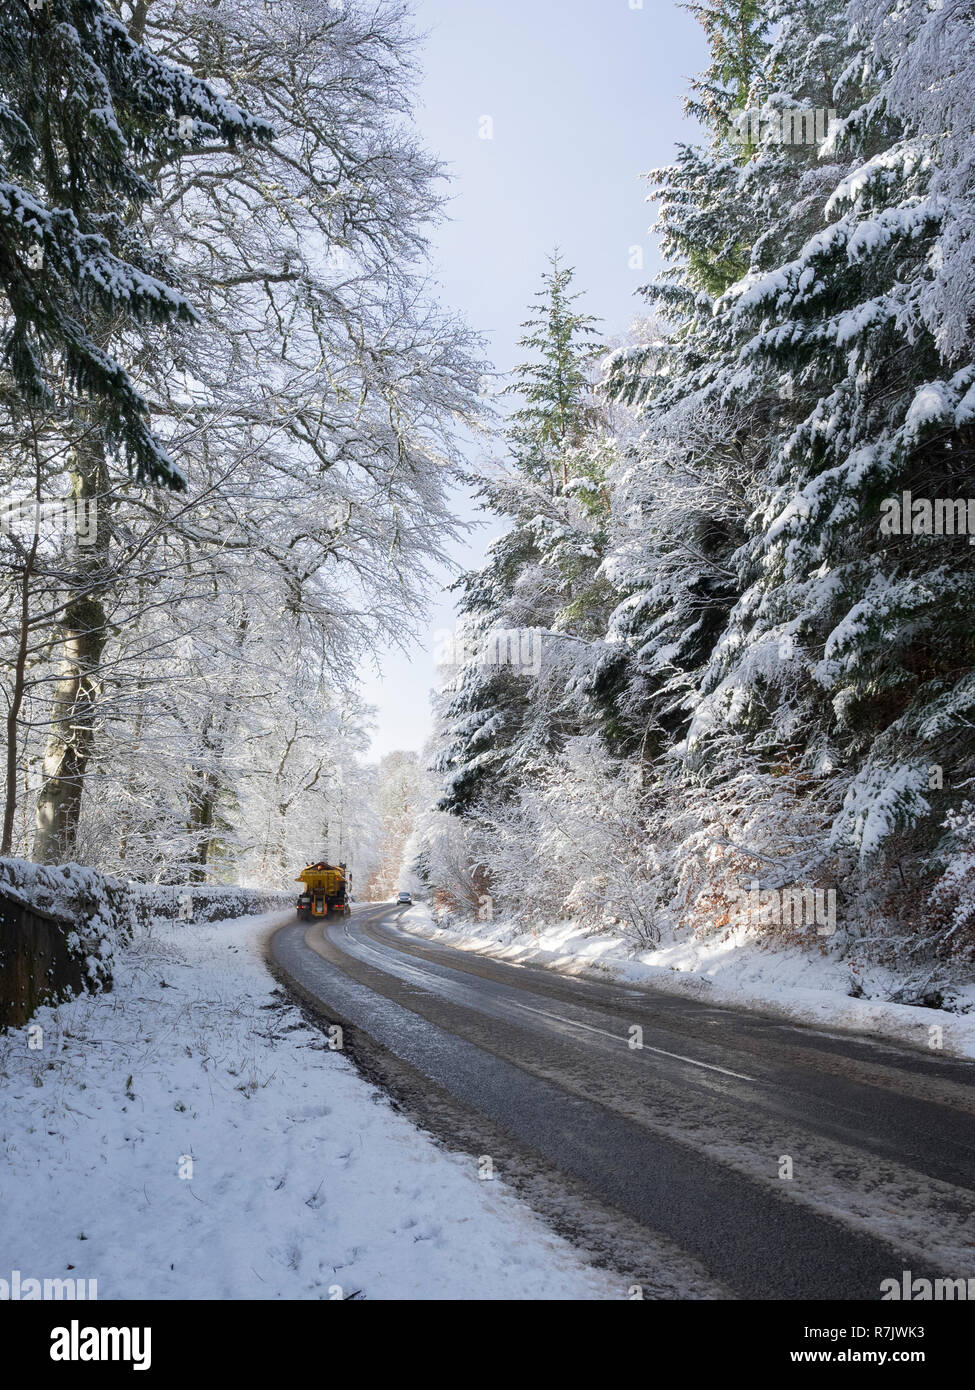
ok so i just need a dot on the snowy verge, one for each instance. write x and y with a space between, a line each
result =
299 1180
63 926
734 970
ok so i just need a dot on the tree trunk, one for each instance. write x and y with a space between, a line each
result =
205 794
72 737
17 700
126 827
203 801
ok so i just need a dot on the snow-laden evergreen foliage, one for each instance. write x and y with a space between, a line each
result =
788 543
85 114
525 660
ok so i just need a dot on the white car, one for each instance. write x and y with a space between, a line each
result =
406 898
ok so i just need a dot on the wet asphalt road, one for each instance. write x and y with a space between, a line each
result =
744 1157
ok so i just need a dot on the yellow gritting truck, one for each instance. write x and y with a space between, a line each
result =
326 891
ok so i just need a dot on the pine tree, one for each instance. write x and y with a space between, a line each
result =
879 619
555 385
737 34
542 575
682 499
846 657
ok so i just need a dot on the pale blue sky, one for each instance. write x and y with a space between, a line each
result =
583 97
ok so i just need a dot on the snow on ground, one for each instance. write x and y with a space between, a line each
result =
731 970
305 1182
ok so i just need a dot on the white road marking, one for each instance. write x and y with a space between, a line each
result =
543 1013
645 1047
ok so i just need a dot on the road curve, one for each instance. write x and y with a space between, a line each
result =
728 1156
